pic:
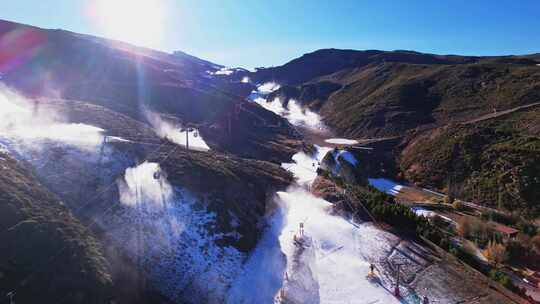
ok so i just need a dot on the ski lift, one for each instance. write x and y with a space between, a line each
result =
157 175
196 134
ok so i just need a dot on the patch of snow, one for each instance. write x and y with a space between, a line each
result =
385 185
268 87
245 79
429 214
117 139
224 71
341 141
347 156
423 212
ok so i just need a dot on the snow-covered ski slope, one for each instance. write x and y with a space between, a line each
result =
329 261
339 251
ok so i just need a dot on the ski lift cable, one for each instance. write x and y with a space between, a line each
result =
88 226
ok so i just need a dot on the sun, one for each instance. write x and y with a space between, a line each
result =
135 21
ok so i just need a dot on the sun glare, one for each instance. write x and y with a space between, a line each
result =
136 21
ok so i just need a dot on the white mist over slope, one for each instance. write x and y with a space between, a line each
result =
177 134
147 176
293 111
24 122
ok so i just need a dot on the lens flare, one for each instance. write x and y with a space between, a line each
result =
135 21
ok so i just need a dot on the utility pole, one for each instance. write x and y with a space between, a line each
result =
11 295
396 290
187 138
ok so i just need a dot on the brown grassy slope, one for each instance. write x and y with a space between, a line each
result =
390 99
230 185
46 255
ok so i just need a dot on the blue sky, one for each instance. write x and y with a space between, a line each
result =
265 33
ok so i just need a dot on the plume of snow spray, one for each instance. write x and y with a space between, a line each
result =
293 111
24 120
145 184
176 134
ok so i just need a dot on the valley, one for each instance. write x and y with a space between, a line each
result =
131 175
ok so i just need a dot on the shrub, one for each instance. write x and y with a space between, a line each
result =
457 205
503 279
495 253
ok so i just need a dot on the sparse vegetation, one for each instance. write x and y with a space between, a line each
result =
495 253
44 250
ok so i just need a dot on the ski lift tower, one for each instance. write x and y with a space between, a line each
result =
189 128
